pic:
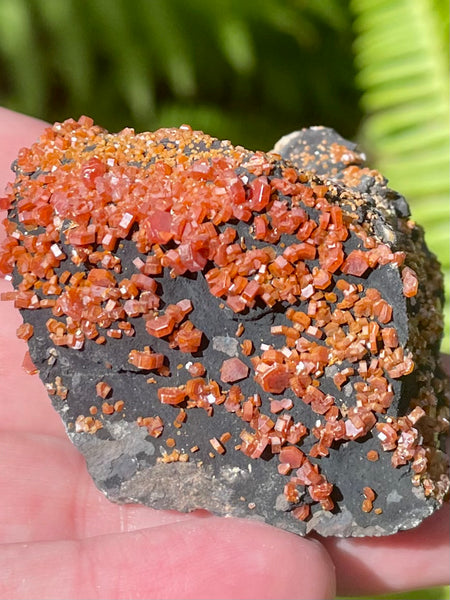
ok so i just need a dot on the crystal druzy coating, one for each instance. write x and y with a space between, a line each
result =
255 334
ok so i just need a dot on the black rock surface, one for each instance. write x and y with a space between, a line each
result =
125 462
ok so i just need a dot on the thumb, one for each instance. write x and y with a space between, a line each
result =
198 558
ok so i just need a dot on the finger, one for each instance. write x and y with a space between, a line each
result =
25 403
210 558
16 131
24 400
59 501
47 494
412 559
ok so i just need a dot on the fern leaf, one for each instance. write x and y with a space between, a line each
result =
402 62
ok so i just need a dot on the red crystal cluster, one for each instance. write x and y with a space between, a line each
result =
178 197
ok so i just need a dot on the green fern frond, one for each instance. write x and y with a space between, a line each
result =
403 73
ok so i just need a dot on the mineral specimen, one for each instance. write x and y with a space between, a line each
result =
249 333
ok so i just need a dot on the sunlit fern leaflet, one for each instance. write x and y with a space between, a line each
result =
403 73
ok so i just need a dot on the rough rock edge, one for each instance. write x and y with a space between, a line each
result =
178 486
134 489
401 233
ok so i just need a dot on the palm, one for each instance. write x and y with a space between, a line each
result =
61 538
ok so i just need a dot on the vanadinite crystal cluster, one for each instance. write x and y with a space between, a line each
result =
254 334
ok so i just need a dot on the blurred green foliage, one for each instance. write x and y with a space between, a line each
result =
401 56
249 71
435 593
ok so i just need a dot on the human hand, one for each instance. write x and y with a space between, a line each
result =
60 537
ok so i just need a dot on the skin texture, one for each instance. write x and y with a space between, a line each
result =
60 537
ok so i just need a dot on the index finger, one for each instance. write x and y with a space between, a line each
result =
16 131
25 403
408 560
